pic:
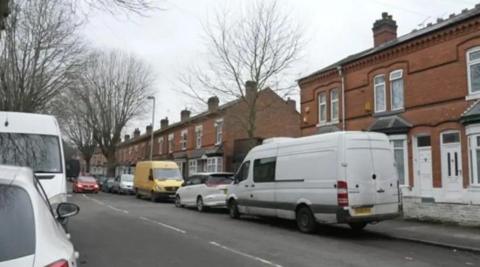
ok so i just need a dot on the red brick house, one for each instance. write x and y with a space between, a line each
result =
423 90
209 141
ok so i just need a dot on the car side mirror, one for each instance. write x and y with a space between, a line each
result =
66 209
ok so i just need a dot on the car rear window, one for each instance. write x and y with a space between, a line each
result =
17 224
86 179
219 179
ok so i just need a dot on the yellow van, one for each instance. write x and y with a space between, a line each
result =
157 179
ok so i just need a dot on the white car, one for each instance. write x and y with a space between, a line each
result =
204 190
123 184
30 231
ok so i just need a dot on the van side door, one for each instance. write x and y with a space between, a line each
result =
262 187
241 186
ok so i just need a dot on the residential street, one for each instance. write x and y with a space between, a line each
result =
118 230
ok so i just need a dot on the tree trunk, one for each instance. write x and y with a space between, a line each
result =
111 164
87 164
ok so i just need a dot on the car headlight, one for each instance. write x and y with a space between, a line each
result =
158 188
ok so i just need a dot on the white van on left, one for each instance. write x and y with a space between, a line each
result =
35 141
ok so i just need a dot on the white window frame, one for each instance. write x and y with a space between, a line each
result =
218 131
471 95
171 143
473 131
404 138
320 105
336 102
192 167
215 164
392 77
160 145
183 139
375 93
198 136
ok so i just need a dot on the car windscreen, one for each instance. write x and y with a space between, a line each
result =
126 178
39 152
17 224
87 179
164 173
219 179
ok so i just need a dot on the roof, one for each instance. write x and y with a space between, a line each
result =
390 125
453 19
471 114
28 123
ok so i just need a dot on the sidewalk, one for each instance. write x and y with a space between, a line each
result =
465 238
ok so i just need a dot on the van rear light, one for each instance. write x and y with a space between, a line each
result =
60 263
342 193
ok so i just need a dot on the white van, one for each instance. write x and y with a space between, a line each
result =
34 140
341 177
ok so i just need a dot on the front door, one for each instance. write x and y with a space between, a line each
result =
452 178
423 166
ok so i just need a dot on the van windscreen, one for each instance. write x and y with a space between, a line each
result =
39 152
164 173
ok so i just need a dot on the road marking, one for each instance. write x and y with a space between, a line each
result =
164 225
113 208
264 261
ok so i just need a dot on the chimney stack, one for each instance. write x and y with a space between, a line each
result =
384 30
184 115
136 133
148 129
213 104
250 90
163 123
291 103
126 137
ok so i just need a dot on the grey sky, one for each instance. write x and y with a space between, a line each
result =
171 40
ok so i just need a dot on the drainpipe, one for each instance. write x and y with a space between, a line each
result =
340 73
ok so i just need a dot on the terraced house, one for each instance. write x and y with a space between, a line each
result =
423 90
213 140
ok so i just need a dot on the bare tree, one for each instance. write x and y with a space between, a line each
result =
113 89
37 54
139 7
260 45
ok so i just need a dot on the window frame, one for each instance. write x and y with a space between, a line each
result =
469 63
171 143
320 104
192 167
336 101
183 139
198 136
218 131
160 145
393 79
255 165
404 138
375 85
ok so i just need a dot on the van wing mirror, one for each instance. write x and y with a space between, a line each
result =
150 175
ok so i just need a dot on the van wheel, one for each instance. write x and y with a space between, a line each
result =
153 198
357 226
178 202
233 209
137 194
305 220
200 205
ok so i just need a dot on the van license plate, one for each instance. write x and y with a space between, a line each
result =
363 211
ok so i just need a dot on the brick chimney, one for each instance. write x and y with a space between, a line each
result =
164 123
126 137
184 115
148 129
384 30
136 133
291 103
213 104
250 90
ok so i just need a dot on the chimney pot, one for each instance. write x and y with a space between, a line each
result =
164 123
184 115
126 137
213 104
136 133
148 129
384 29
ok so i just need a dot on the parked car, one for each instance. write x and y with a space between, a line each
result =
100 180
157 179
35 141
342 177
123 184
32 234
108 185
85 184
204 190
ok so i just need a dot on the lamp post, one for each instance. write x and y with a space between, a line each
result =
153 122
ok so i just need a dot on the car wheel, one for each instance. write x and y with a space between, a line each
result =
153 198
357 226
137 194
200 205
305 220
233 209
178 202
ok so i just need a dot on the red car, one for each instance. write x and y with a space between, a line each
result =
85 184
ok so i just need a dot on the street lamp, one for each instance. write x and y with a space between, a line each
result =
153 123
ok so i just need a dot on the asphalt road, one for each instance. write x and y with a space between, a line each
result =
118 230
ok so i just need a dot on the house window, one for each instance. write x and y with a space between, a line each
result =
219 131
379 93
322 108
473 69
192 167
396 89
215 164
334 105
171 143
198 136
474 147
160 145
400 153
183 139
